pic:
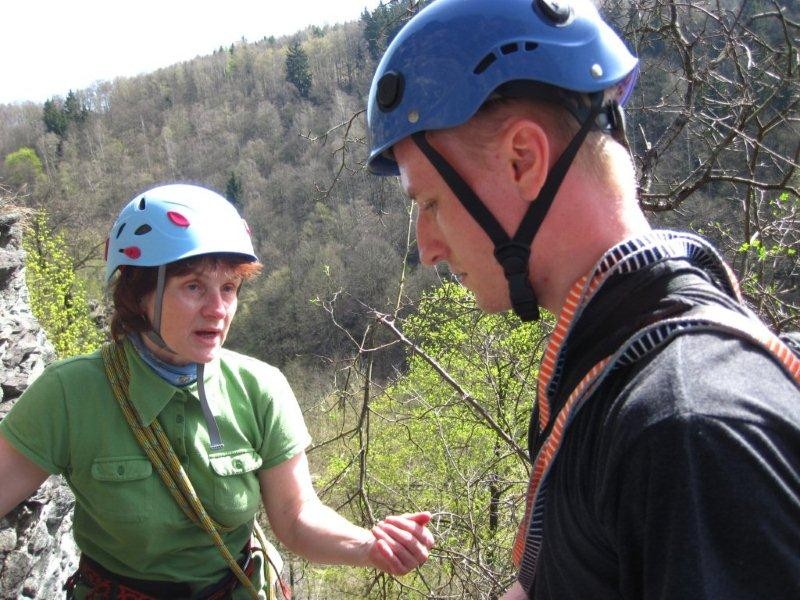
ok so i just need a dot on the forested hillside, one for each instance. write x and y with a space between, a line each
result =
415 400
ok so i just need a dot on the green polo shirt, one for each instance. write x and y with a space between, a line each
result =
69 422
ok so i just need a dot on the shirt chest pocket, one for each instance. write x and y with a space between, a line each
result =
122 487
236 485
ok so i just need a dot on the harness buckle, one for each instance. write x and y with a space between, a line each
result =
514 257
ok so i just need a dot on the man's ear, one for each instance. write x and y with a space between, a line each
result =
528 151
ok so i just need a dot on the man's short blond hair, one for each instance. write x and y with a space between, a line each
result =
600 157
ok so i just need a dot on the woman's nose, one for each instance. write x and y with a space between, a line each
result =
214 304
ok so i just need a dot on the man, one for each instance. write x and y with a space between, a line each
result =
662 467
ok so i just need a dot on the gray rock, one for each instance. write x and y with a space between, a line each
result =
37 551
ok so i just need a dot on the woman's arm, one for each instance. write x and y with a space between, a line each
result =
397 545
20 477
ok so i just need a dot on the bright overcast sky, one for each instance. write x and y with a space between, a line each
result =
51 46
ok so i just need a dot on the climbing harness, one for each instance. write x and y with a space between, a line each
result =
105 585
626 258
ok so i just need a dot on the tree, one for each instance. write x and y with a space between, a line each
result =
23 168
298 72
55 120
383 23
447 435
57 295
714 129
233 191
74 110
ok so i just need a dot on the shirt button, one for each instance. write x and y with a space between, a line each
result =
179 419
120 470
237 463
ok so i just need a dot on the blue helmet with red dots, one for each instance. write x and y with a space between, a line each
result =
172 222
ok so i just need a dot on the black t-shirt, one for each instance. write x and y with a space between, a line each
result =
680 477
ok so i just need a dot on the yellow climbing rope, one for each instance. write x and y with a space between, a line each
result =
155 444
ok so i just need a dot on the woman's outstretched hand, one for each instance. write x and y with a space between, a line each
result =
401 543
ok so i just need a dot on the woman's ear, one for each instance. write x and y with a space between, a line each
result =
528 150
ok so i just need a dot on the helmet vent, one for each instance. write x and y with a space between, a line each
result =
485 63
142 203
529 46
509 48
142 229
119 231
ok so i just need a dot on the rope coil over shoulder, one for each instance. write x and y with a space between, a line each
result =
158 449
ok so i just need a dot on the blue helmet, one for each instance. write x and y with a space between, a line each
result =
173 222
448 60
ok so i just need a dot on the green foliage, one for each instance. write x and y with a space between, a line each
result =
57 115
74 110
383 23
57 295
233 190
298 72
55 120
425 447
23 167
768 262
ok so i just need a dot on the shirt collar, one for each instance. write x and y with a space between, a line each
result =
149 393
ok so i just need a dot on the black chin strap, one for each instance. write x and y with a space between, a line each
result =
513 254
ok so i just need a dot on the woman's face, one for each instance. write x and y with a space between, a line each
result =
196 313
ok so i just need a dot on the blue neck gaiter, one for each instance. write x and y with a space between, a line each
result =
178 375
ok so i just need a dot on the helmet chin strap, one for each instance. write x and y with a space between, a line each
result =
513 253
154 335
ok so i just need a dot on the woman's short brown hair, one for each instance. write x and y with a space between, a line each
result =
134 283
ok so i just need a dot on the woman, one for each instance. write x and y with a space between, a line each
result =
176 258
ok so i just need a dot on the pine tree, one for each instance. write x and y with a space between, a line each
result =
55 120
233 191
297 69
74 110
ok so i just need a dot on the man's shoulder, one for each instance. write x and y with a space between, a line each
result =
715 375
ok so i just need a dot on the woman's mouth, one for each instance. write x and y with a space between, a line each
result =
208 334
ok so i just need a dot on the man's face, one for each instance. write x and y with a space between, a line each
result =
446 232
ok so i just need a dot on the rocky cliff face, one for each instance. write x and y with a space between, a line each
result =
37 551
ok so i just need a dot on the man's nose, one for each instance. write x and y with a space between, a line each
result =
431 248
